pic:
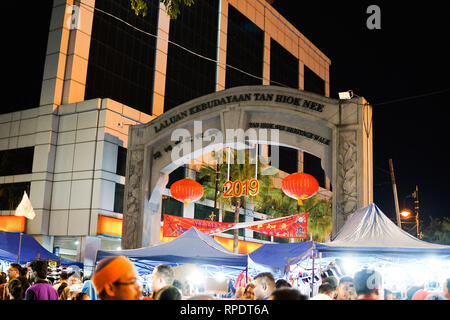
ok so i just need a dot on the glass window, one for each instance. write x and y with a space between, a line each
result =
177 174
281 240
16 161
122 59
171 206
312 165
189 76
313 83
11 194
283 66
121 161
229 217
204 212
119 193
68 247
245 50
288 159
259 235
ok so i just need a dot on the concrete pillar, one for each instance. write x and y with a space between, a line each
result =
56 55
222 45
162 48
300 163
80 25
266 67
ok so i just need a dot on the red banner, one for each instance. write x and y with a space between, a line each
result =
175 226
289 227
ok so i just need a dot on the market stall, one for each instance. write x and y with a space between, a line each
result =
23 248
192 246
370 232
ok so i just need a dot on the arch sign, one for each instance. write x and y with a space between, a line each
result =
339 132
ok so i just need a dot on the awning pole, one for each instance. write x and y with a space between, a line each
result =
20 247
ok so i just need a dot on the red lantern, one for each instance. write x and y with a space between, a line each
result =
186 191
300 186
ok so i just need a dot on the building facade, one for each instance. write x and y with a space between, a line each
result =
101 75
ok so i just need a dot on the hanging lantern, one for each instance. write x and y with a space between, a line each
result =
186 191
300 186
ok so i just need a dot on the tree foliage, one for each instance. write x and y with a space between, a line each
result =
270 200
437 231
140 7
242 172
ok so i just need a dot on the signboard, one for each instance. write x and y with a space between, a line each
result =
241 188
175 226
289 227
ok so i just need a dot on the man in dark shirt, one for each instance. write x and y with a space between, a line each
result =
41 289
13 273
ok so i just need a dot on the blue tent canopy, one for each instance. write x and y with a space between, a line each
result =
279 255
30 250
192 246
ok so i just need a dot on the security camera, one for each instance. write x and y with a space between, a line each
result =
346 95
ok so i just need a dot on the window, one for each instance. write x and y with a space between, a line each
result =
189 76
281 240
11 194
312 165
204 212
119 193
122 59
259 235
283 66
229 217
177 174
288 159
16 161
121 161
171 206
312 82
245 50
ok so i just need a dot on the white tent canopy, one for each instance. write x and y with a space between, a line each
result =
369 230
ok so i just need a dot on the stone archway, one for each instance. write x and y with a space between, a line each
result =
338 132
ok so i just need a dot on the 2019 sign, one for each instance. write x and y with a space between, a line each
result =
239 188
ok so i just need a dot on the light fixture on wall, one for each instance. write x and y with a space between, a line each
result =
121 124
346 95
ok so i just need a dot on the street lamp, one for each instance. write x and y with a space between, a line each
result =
405 213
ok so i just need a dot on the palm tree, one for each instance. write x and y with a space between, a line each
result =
270 200
242 172
319 218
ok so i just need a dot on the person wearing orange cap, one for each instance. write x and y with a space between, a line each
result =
115 278
420 295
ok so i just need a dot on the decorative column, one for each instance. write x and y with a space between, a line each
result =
353 184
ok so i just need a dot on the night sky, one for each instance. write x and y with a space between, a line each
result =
408 57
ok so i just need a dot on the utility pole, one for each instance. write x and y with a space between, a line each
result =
416 209
394 187
217 187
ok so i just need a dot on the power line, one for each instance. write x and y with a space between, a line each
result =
181 47
411 97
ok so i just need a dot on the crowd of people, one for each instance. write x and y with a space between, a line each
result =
116 278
